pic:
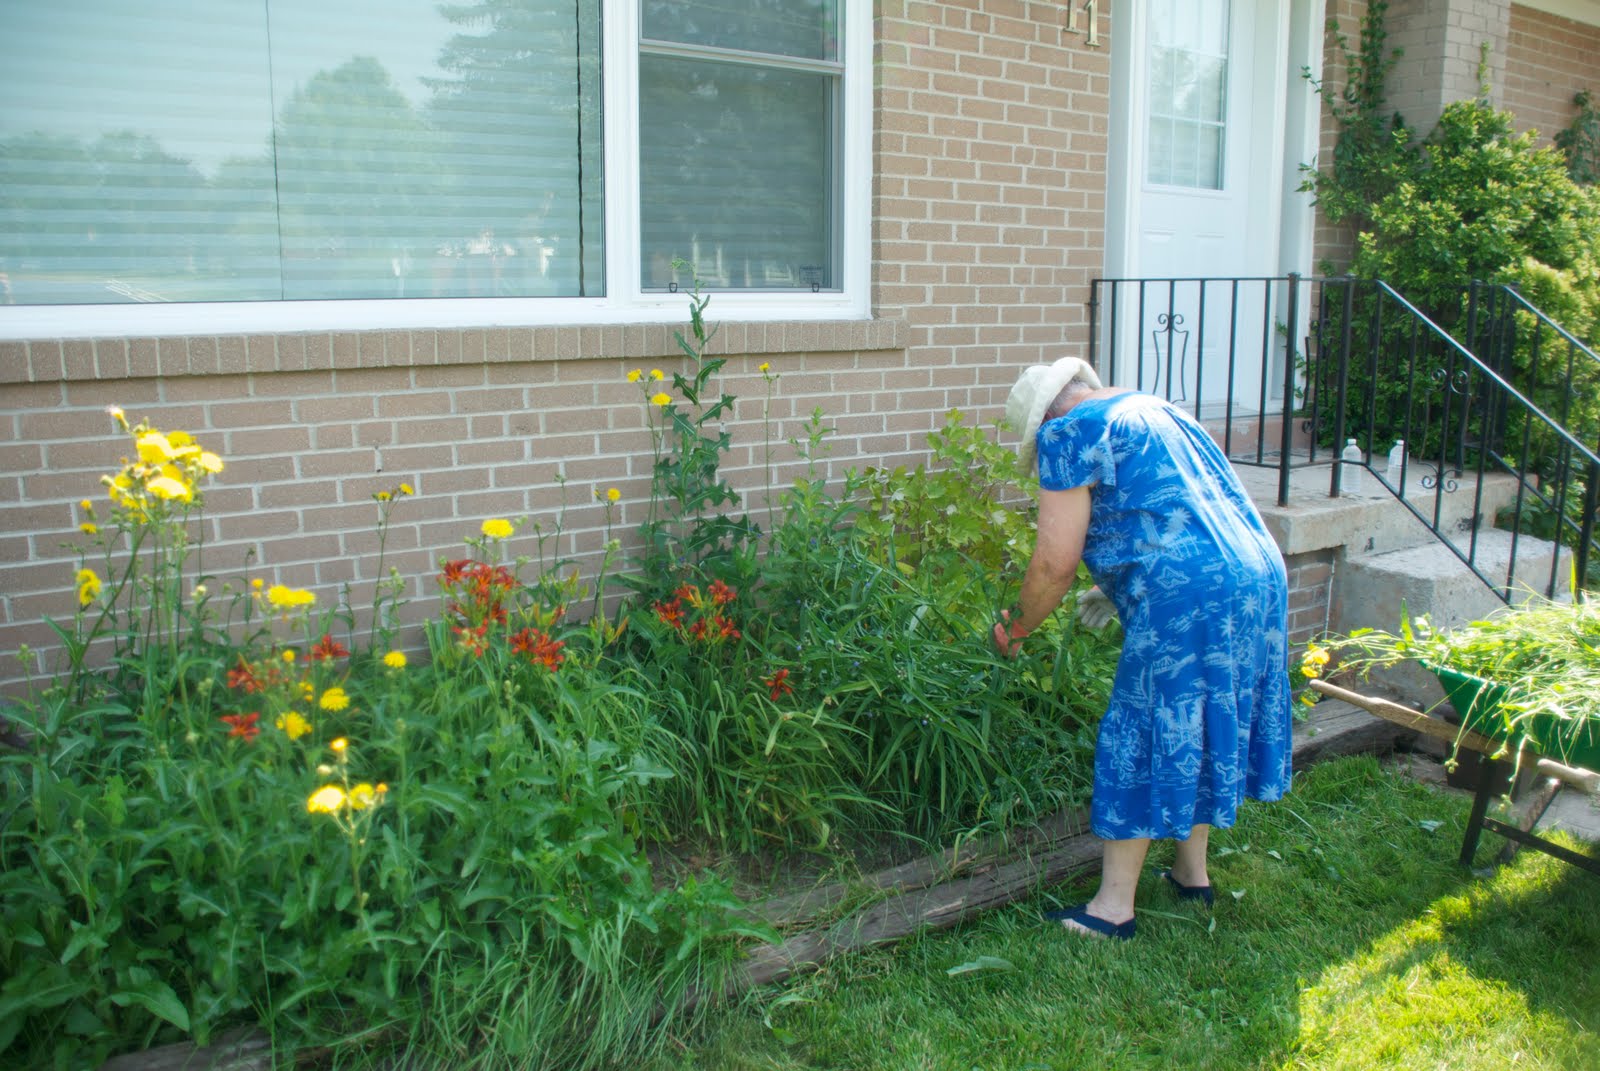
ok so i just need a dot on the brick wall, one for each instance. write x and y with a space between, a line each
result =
988 208
1444 41
1334 245
1310 595
1548 60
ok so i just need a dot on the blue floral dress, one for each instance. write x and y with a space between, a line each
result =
1200 710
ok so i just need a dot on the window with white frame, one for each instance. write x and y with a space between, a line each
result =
351 152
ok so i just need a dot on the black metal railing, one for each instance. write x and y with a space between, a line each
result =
1286 370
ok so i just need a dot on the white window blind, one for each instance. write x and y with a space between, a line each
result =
271 150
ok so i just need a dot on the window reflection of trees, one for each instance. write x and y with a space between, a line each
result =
357 194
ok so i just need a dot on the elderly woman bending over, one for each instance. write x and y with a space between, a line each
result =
1200 710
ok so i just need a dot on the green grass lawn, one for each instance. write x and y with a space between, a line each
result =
1344 936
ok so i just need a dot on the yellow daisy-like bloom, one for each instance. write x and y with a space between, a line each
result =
657 374
293 724
383 496
88 586
255 583
170 488
395 660
763 367
662 399
308 690
334 699
155 448
497 528
86 506
288 654
287 598
88 528
362 796
405 489
116 413
613 495
329 799
209 462
635 375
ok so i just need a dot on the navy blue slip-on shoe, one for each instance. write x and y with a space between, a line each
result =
1189 892
1122 931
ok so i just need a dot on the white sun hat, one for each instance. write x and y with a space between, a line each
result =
1032 394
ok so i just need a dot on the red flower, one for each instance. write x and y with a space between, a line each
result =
670 613
455 571
779 684
243 677
725 629
548 651
721 594
327 648
539 648
244 725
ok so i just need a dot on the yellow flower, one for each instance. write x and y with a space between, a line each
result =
308 691
383 496
86 506
395 660
634 376
662 399
209 462
88 528
155 448
116 413
256 583
613 495
329 799
171 487
334 699
288 654
657 374
286 598
362 796
763 367
293 724
88 586
497 528
405 489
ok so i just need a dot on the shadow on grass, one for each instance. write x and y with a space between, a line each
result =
1345 935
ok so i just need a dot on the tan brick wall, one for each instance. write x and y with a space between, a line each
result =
1334 245
988 210
1310 594
1548 60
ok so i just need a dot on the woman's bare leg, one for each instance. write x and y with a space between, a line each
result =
1123 860
1189 864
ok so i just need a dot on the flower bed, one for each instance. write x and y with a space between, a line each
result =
237 805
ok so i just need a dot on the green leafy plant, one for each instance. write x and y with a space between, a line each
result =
954 502
1580 140
687 528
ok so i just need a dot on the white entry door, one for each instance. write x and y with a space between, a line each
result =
1198 153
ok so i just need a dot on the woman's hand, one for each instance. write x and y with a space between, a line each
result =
1008 637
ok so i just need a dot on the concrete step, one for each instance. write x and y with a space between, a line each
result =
1381 590
1374 522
